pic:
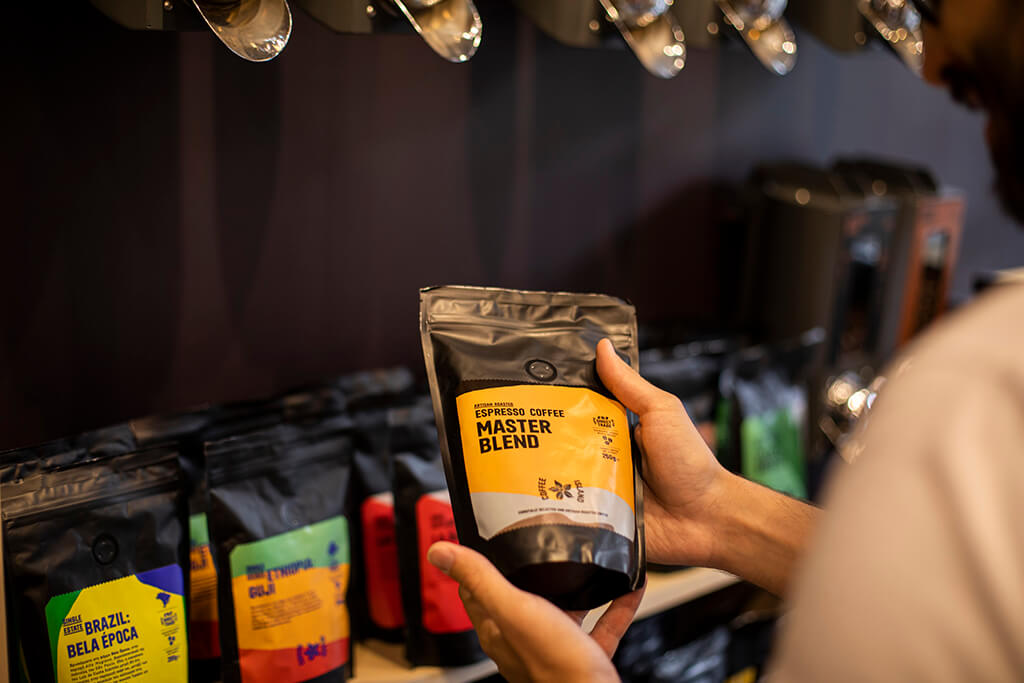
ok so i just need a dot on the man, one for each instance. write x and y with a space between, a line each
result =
916 572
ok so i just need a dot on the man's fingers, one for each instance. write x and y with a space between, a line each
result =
492 640
613 623
474 609
494 645
478 576
636 393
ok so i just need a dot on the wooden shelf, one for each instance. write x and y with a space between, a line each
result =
383 662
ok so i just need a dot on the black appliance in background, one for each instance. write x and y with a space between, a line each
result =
865 250
925 244
819 255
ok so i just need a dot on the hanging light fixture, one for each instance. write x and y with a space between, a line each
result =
255 30
764 29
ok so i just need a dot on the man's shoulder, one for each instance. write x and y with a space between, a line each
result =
954 376
984 337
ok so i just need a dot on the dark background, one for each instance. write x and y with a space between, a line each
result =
182 226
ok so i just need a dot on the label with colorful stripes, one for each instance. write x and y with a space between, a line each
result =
203 637
289 594
128 629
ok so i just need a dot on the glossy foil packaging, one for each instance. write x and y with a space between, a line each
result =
539 457
96 556
278 523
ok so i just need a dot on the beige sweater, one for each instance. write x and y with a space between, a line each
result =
916 572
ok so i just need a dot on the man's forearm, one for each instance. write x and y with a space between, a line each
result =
762 534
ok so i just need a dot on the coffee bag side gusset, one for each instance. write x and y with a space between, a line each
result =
96 554
278 523
543 472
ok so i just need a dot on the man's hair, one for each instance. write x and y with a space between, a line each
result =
997 76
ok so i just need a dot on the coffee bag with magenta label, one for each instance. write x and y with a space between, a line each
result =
543 473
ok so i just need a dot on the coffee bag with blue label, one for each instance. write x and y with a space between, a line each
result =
96 555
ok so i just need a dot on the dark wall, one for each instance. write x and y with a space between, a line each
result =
183 226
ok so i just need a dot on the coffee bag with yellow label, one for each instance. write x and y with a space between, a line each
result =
543 473
278 523
96 552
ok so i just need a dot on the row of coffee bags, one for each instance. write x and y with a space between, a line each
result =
246 542
751 403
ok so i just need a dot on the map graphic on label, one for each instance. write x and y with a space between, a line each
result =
204 634
128 629
547 454
290 612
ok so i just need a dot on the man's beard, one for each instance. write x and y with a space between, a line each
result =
1006 145
997 77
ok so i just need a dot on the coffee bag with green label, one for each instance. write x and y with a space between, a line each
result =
543 473
96 554
279 529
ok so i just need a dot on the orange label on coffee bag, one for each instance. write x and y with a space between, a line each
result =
203 633
547 454
289 595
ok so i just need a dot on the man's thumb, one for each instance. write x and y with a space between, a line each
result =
472 571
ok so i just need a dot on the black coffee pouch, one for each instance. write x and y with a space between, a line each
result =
184 432
20 463
377 389
188 432
96 556
543 473
438 630
279 529
375 598
691 372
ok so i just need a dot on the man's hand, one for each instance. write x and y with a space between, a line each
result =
684 483
529 638
695 511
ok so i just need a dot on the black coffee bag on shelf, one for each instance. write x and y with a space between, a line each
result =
691 372
96 556
375 595
438 630
20 463
278 522
187 432
375 598
184 432
377 389
540 461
